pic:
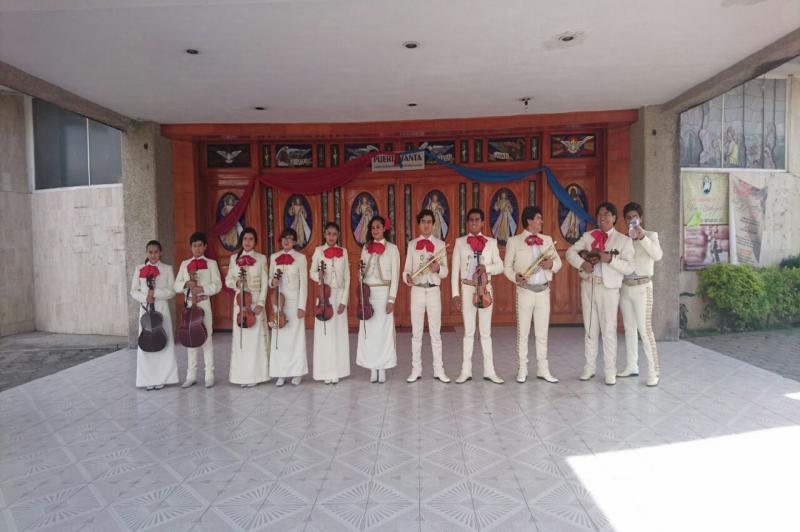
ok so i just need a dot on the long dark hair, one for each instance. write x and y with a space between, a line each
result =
383 223
245 231
152 243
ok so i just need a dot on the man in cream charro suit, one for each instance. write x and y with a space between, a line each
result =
533 291
636 297
425 294
601 271
465 265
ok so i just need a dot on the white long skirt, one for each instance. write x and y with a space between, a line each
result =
332 345
250 353
288 356
378 350
156 369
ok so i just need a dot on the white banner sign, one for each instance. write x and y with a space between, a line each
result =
407 161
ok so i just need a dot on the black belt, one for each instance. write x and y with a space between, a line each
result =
426 285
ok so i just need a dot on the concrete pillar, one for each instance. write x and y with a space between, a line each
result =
16 244
655 184
148 201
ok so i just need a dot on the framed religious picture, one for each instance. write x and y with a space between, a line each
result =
572 226
354 151
228 155
573 146
534 148
293 156
503 215
437 203
464 150
362 210
506 149
226 203
443 149
266 155
297 216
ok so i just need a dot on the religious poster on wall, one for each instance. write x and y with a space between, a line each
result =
436 202
443 149
572 226
706 238
748 206
228 155
230 240
293 156
297 215
506 149
362 210
354 151
503 215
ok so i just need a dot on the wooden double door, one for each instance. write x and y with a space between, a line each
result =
400 196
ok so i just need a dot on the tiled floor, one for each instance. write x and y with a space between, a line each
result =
714 447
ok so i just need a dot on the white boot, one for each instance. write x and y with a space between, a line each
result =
416 374
296 380
494 378
442 377
373 375
464 377
280 382
381 376
652 379
188 383
543 371
629 372
210 381
611 379
587 373
522 375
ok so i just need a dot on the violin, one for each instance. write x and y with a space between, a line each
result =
246 318
278 300
593 257
481 298
364 311
323 310
192 331
153 337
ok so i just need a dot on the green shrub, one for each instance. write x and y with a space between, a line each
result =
782 287
736 293
791 262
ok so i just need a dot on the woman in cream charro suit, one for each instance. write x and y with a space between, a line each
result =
331 360
377 347
287 354
250 346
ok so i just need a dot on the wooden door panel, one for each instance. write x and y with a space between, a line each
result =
495 200
443 197
353 227
224 247
565 303
303 213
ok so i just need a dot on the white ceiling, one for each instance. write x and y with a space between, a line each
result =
342 60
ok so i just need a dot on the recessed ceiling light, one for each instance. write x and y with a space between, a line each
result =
412 104
411 45
260 108
192 51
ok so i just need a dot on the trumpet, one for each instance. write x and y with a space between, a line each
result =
422 269
548 253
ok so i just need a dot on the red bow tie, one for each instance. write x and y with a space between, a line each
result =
534 239
284 260
477 243
197 264
149 271
332 252
376 247
245 260
600 239
425 244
